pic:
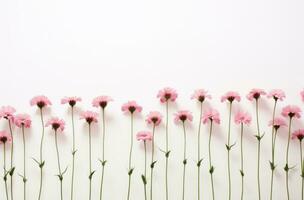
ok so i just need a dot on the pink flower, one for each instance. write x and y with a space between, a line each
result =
144 136
277 123
7 112
255 94
154 117
167 94
23 120
231 96
201 95
131 106
5 137
291 111
298 134
70 100
302 94
183 115
89 116
55 123
101 101
276 94
242 118
40 101
212 115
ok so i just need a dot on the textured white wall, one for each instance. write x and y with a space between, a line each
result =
129 50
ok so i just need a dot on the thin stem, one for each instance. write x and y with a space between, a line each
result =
145 174
152 165
287 158
41 158
167 149
259 147
24 170
211 168
184 161
228 152
273 132
90 163
242 161
5 172
301 160
59 168
73 154
12 155
199 151
103 151
130 158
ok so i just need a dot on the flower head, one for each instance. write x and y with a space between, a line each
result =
255 94
211 115
89 116
183 116
277 123
5 137
23 120
231 96
144 136
201 95
40 101
242 118
131 106
101 101
298 134
70 100
167 94
276 94
154 118
55 123
7 112
291 111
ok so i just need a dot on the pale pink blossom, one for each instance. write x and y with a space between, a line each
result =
40 101
55 123
291 111
211 115
23 120
277 123
144 136
5 137
276 94
154 117
231 96
201 95
242 118
299 134
101 101
7 112
255 94
302 94
89 116
183 116
131 106
70 100
167 94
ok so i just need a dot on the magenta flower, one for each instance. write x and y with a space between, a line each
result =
183 116
277 123
298 134
101 101
89 116
255 94
291 111
154 117
231 96
211 115
276 94
7 112
23 120
131 106
5 137
40 101
55 123
242 118
144 136
70 100
167 94
201 95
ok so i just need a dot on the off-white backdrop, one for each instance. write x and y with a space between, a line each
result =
129 50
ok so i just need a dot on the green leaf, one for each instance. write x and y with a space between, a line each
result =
286 168
242 173
211 170
167 154
74 152
153 164
130 171
91 174
185 161
143 178
11 171
272 165
199 162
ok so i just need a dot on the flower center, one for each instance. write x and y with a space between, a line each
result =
40 104
201 98
103 104
256 95
72 103
3 139
132 109
183 117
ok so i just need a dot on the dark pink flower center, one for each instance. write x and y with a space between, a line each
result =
231 98
40 104
300 137
89 120
276 126
201 98
103 104
55 126
183 117
291 114
3 139
154 119
132 109
72 103
256 95
167 96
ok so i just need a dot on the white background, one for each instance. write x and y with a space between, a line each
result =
131 49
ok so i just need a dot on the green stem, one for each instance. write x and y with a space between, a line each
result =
73 154
145 174
103 151
90 163
301 160
242 161
5 172
152 167
287 158
199 151
167 149
228 152
273 132
210 160
41 158
12 155
59 168
272 161
184 161
130 158
24 170
259 148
